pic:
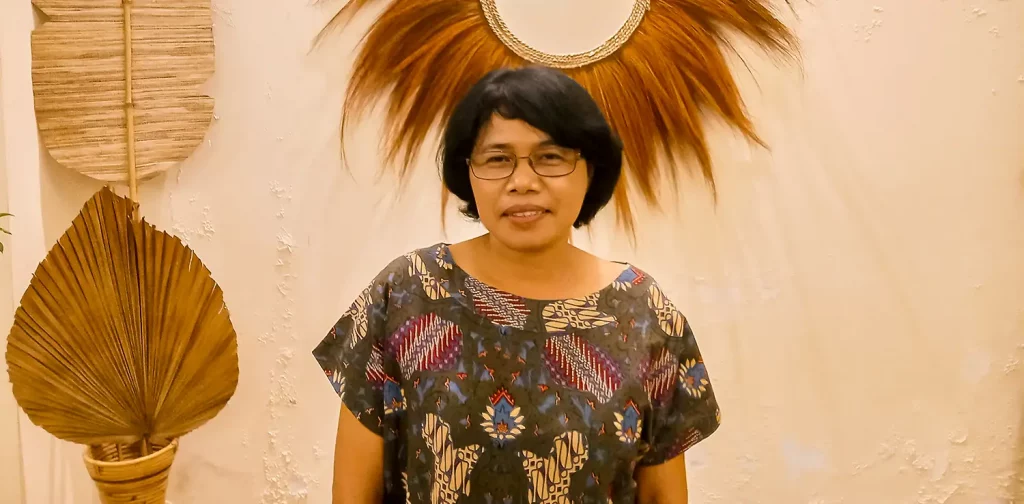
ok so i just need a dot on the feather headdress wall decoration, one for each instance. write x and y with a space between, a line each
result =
653 79
122 341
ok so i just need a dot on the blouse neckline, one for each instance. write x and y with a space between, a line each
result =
623 277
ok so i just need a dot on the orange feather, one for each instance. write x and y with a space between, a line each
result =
421 56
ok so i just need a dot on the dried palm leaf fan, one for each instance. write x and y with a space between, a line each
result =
653 78
122 341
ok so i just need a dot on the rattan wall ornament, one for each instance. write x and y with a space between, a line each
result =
653 78
122 341
78 77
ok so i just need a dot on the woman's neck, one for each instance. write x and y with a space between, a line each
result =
559 259
555 272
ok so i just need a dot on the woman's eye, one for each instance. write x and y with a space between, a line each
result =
498 159
552 157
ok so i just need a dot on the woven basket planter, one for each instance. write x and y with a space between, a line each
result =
123 475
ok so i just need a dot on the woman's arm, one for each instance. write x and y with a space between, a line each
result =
663 483
358 463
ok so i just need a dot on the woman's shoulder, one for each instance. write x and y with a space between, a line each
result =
649 295
635 281
416 263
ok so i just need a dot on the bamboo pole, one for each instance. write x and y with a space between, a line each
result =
129 119
129 104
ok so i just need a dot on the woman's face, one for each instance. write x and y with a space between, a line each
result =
526 211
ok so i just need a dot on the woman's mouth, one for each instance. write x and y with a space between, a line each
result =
525 215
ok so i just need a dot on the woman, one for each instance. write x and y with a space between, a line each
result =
514 367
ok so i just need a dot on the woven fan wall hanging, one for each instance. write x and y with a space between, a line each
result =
653 78
122 341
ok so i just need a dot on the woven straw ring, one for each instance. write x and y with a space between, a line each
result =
576 60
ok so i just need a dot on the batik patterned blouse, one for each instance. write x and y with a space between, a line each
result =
482 396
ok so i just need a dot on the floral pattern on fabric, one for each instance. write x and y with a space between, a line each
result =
482 396
627 423
693 377
502 419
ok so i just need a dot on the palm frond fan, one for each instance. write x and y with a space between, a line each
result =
122 341
653 78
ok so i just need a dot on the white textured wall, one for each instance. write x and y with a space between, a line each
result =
10 442
857 292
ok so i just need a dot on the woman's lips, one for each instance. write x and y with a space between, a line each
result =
525 214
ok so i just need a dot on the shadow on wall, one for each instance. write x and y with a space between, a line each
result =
1017 491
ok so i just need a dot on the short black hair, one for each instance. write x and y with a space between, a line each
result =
548 100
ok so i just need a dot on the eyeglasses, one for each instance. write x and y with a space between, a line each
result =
546 162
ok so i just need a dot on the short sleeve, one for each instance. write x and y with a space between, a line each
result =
352 356
688 411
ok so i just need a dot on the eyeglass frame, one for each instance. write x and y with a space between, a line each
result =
529 160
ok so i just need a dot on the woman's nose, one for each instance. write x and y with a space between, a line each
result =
523 177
